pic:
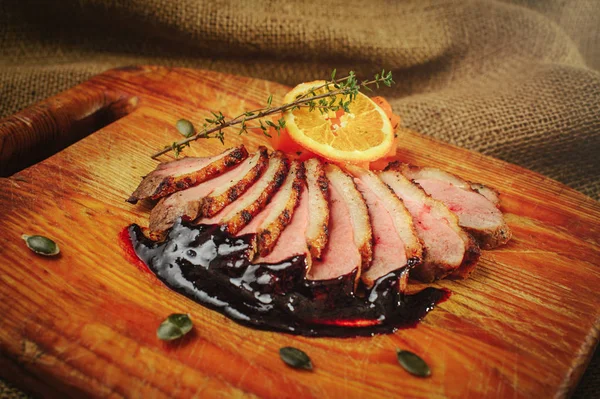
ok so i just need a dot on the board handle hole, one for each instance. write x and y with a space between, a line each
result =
44 129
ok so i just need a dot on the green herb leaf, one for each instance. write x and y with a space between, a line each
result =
295 358
41 245
413 363
175 326
185 127
221 136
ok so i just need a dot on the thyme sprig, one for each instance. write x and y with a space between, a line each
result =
346 87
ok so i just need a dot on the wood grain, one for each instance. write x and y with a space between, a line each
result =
524 325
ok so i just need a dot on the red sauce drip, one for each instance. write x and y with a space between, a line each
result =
349 323
127 246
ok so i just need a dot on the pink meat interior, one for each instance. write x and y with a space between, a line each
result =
473 209
291 242
341 255
229 208
389 251
187 165
441 242
203 189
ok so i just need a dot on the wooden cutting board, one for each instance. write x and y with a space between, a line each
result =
524 325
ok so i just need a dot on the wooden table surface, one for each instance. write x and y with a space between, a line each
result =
84 323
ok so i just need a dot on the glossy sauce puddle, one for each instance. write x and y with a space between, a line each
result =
212 267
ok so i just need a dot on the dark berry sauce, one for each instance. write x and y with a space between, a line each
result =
214 269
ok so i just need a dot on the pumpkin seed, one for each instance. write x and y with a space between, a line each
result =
41 245
295 358
185 127
413 363
175 326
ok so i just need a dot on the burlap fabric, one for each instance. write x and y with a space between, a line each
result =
517 80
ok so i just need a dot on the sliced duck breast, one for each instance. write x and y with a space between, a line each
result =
448 249
196 201
317 231
350 232
185 204
491 194
341 256
239 213
229 190
183 173
395 241
476 213
291 241
359 215
271 222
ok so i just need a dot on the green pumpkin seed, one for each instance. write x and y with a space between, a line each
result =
175 326
41 245
295 358
185 127
413 363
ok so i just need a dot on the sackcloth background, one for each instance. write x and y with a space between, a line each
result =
517 79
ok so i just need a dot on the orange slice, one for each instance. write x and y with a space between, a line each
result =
361 135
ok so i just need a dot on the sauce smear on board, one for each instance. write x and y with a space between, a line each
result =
213 268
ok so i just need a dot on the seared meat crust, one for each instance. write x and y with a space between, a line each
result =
168 209
189 203
183 173
218 200
259 194
317 232
273 226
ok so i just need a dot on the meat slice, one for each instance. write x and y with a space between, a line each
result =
229 190
488 192
204 199
271 222
341 256
359 215
476 213
448 249
239 213
395 241
184 204
318 196
349 248
183 173
291 242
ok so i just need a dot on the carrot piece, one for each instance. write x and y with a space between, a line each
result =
387 108
380 164
283 142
